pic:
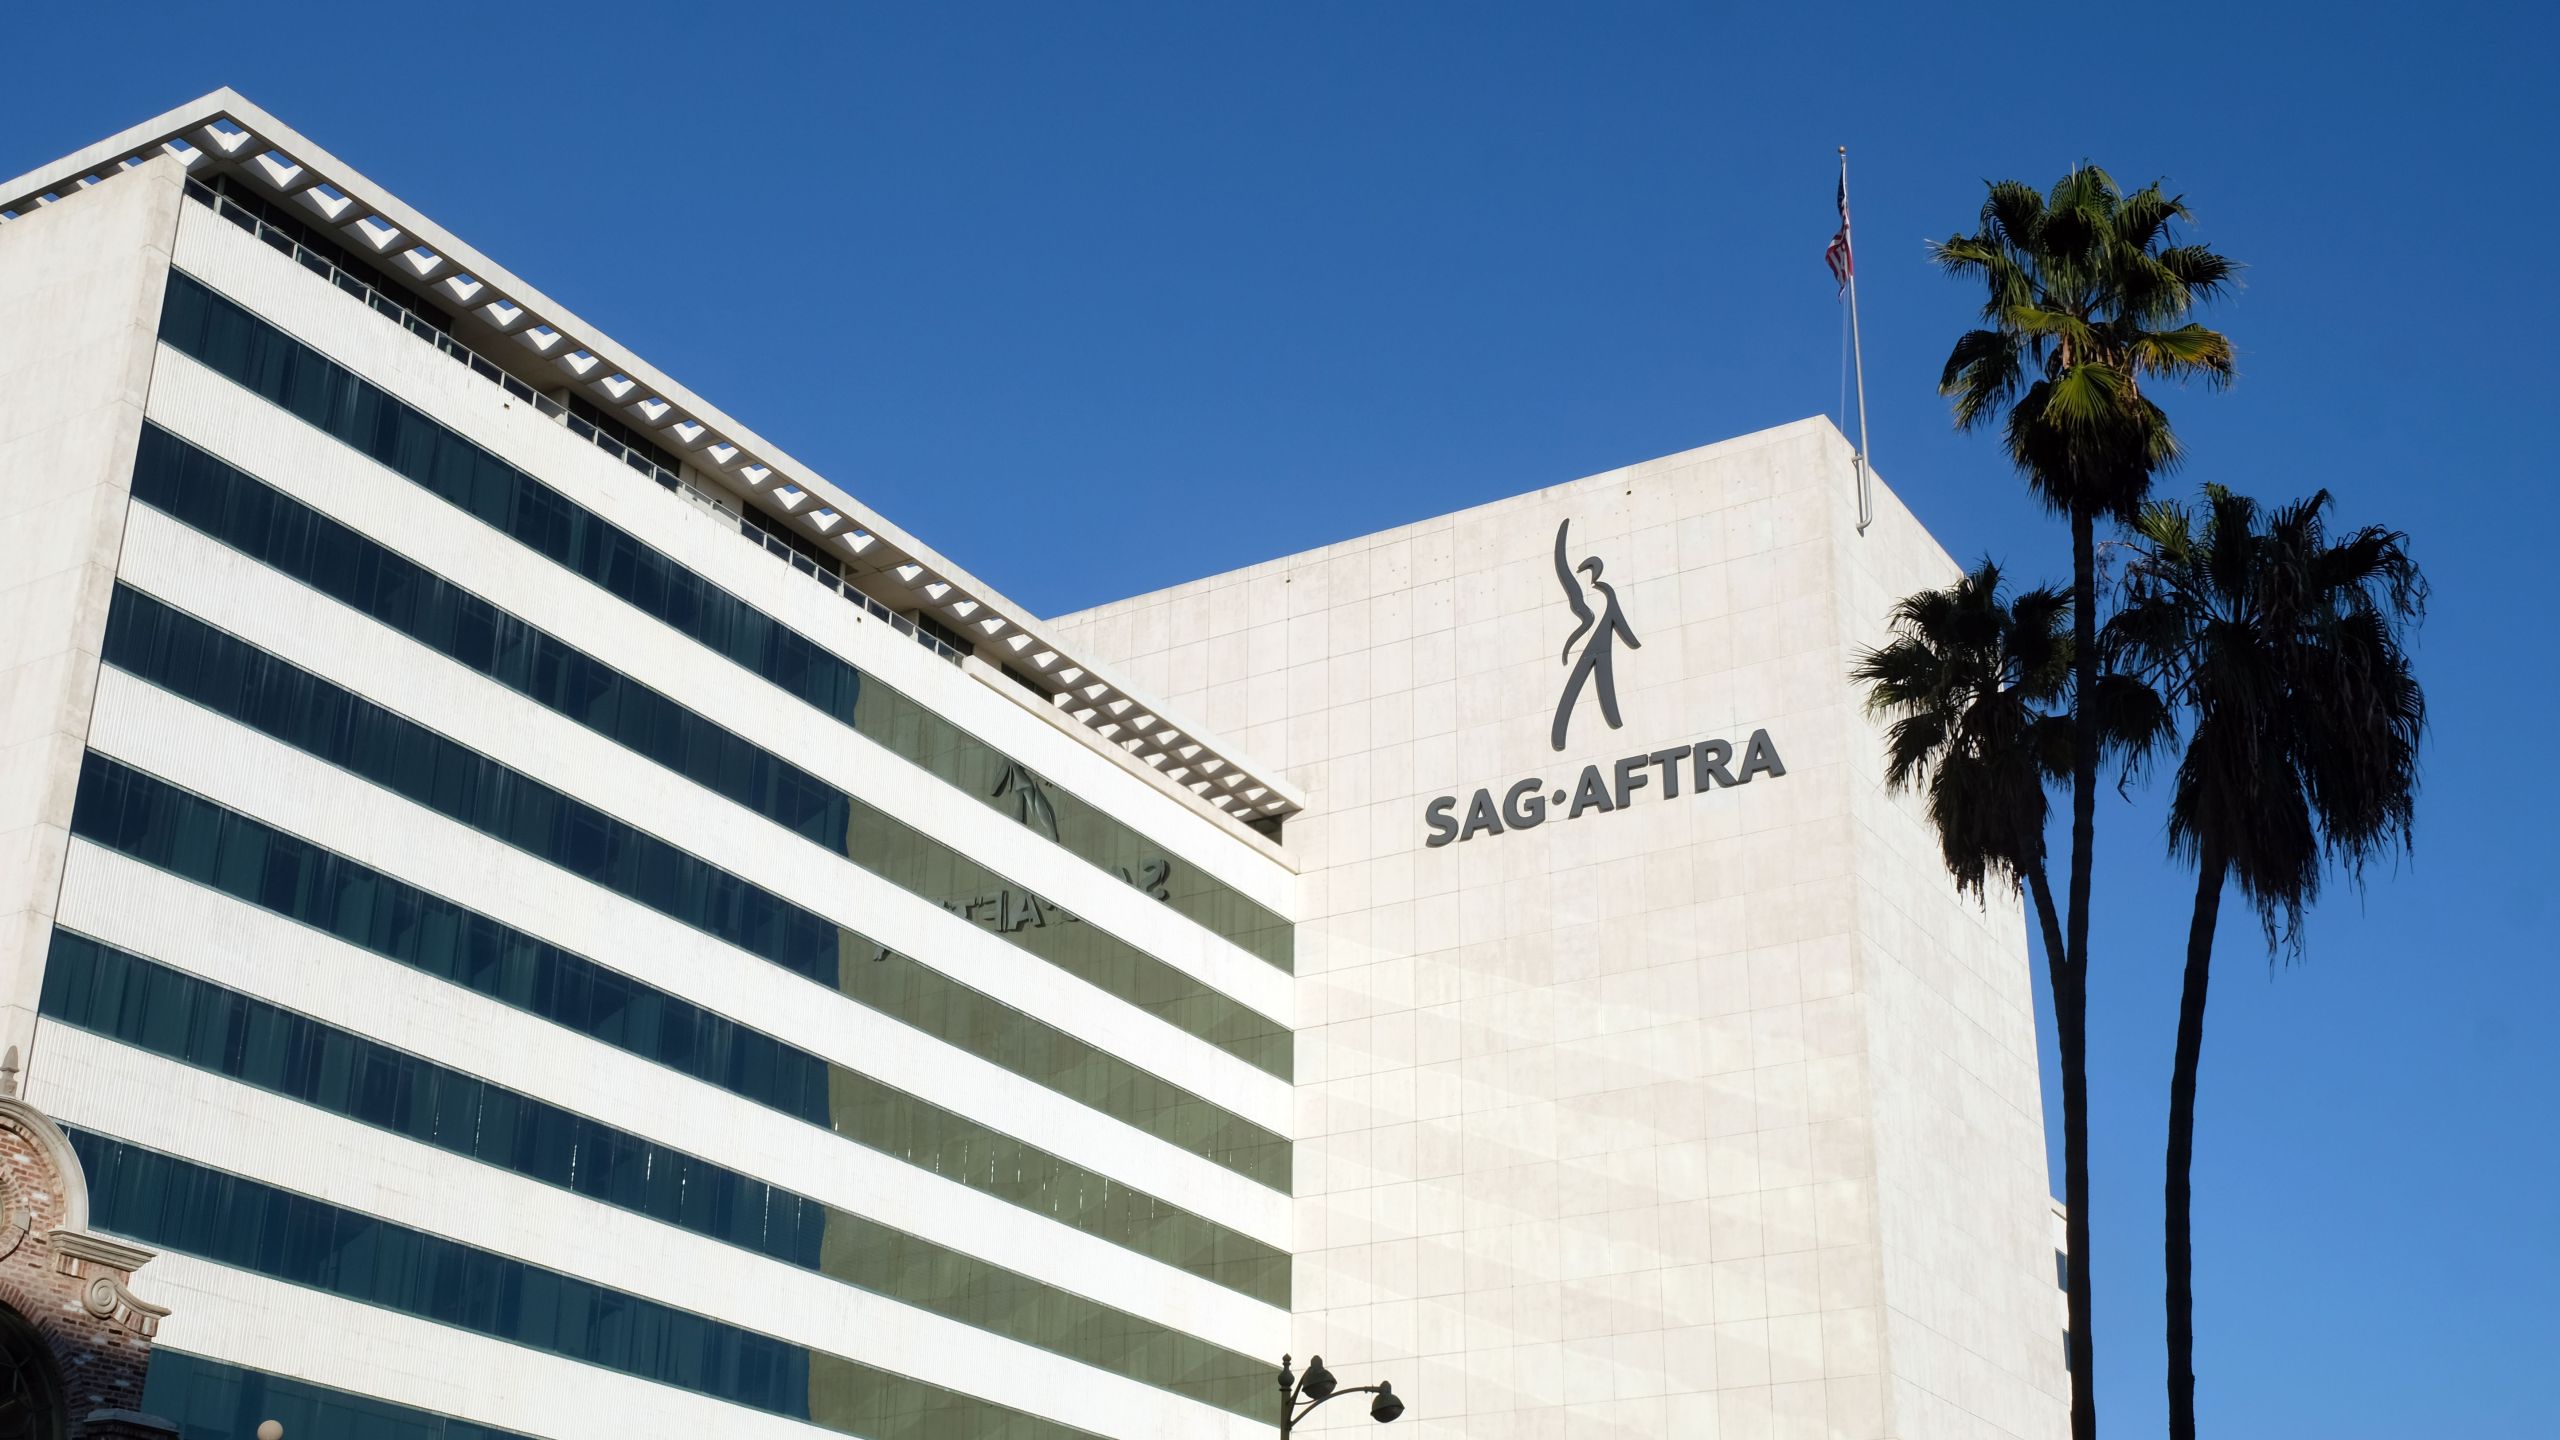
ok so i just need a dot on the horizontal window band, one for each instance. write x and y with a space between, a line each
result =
209 1399
135 1001
233 507
166 647
236 343
155 823
173 1204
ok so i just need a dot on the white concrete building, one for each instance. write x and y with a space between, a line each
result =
1652 1078
554 919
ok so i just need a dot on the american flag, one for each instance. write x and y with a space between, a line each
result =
1836 254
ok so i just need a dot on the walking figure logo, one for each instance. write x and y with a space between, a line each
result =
1605 630
1030 798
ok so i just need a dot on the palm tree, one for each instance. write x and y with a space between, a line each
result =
1977 686
2086 296
2284 649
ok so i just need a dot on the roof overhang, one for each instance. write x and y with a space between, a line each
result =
223 128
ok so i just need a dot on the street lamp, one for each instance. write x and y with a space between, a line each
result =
1318 1386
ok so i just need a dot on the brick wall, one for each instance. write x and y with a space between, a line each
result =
72 1289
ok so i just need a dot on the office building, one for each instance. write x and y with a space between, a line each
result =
533 913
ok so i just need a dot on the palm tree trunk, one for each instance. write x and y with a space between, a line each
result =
2071 1031
2071 999
2068 1001
2182 1147
2048 920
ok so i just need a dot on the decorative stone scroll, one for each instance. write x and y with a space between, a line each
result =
103 1266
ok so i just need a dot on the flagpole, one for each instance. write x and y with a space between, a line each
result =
1858 354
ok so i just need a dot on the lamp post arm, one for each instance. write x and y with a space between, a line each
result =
1289 1422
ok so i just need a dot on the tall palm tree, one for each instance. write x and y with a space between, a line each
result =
1977 685
2086 297
2283 647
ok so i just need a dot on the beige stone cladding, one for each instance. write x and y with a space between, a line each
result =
1707 1115
80 287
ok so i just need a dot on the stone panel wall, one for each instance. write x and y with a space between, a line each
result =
1623 1113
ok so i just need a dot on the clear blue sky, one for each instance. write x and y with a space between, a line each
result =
1100 298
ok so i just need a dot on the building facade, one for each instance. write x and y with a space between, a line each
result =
546 933
1652 1078
553 919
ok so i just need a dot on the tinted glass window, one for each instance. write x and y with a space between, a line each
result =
231 677
158 824
267 524
237 344
111 992
175 1204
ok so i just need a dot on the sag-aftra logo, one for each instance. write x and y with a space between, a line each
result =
1598 634
1696 766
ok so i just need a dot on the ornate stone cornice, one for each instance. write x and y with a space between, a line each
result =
106 1265
114 1254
